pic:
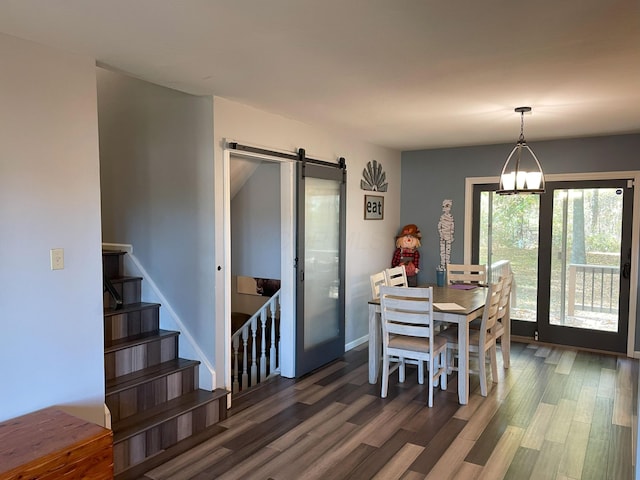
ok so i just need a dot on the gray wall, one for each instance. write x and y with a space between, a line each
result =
429 176
255 224
51 345
156 166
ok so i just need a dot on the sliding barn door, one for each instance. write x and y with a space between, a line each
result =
320 265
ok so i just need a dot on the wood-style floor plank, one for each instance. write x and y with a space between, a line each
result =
575 449
557 413
501 457
399 464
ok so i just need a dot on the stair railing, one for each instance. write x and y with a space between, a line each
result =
115 295
266 322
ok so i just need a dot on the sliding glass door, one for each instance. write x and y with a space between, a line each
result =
570 253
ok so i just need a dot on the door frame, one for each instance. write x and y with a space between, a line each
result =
287 271
635 231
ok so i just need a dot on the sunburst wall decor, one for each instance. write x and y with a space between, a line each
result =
373 178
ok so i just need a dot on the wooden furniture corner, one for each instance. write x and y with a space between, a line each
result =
50 444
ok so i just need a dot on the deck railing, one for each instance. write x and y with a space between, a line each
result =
260 332
593 288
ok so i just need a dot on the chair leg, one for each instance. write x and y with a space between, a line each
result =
506 352
431 366
420 372
449 354
443 370
494 363
483 373
401 374
385 377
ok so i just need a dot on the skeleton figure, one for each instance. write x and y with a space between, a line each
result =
445 229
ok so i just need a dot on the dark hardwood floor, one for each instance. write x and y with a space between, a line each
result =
555 414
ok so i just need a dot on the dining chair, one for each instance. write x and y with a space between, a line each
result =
466 273
396 276
504 316
377 279
480 341
408 333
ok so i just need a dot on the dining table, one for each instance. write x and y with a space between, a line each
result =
454 304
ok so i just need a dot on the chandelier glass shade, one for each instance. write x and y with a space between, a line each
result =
521 172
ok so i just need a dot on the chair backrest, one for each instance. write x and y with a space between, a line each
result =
396 276
466 273
406 311
490 313
377 279
505 297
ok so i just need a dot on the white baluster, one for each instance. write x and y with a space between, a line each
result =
254 367
236 375
263 347
245 360
272 347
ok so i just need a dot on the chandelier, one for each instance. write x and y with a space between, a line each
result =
522 172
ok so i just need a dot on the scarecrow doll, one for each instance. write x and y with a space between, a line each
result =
407 254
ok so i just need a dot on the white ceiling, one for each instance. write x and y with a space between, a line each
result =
406 74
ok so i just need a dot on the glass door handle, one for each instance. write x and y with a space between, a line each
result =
626 270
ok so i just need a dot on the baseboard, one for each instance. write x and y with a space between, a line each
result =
356 343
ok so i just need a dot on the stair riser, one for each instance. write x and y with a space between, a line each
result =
112 265
136 449
128 324
129 360
137 399
130 291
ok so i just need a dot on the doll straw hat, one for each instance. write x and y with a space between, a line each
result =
410 229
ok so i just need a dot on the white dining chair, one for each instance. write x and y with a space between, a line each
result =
466 273
408 333
504 316
396 276
377 279
480 341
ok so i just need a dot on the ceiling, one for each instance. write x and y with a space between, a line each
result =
406 74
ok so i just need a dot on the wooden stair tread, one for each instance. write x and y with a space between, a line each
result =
130 307
124 278
149 418
148 374
136 472
140 339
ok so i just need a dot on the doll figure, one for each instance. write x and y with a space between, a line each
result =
407 254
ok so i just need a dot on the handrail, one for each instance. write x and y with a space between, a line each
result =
246 335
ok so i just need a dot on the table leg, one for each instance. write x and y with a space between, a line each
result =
374 343
463 363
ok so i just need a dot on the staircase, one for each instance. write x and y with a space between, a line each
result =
157 409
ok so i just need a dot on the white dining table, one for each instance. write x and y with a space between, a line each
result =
471 303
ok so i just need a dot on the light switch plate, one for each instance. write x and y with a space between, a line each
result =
57 258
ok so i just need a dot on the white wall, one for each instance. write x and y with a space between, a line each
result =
51 337
255 224
370 243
